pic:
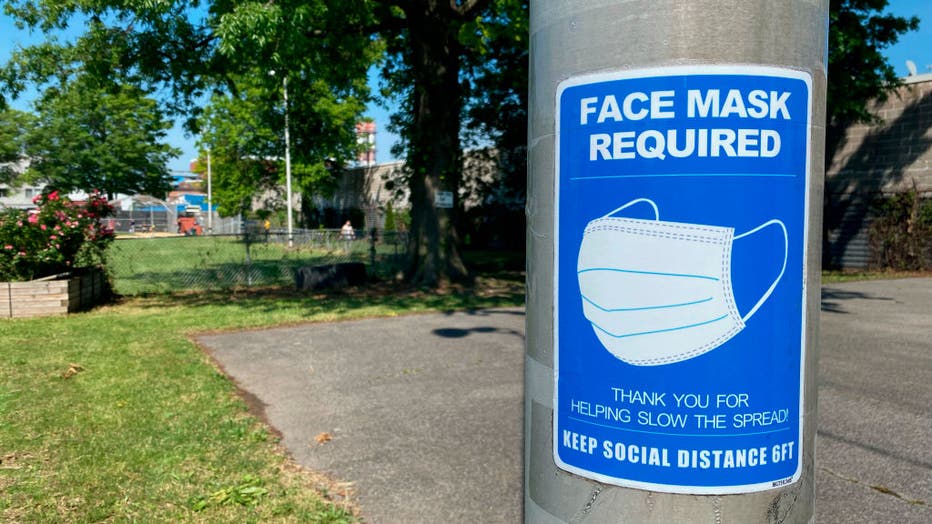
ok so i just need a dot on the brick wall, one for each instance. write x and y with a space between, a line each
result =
876 159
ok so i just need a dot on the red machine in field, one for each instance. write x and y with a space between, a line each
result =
188 225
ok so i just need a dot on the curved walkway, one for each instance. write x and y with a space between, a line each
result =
425 412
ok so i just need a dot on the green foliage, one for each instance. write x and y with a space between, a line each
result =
901 232
248 492
247 122
396 220
389 217
304 47
497 109
241 146
165 45
87 139
403 219
323 47
497 64
857 71
58 237
13 127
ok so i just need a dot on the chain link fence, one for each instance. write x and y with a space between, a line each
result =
143 222
153 263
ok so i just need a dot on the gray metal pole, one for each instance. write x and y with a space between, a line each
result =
573 39
210 198
288 165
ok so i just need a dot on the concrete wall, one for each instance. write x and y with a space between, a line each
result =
892 156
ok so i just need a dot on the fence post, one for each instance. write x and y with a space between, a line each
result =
373 236
246 240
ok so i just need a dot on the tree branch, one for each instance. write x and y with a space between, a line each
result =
390 25
465 8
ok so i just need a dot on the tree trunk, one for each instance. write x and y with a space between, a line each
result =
434 156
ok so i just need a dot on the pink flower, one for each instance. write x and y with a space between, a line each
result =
33 219
53 195
43 227
53 237
8 247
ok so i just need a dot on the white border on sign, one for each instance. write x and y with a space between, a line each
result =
658 72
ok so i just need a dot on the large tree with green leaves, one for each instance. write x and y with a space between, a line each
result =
243 128
187 47
242 148
496 114
13 127
432 50
859 30
88 138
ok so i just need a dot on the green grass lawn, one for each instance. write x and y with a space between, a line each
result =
115 415
849 275
168 264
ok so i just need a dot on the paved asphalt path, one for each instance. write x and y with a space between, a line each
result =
426 411
874 446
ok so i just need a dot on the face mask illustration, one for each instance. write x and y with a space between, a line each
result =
660 292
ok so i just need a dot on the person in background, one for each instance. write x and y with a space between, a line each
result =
347 231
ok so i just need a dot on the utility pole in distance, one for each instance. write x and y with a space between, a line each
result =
674 235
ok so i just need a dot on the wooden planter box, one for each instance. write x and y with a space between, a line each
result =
52 296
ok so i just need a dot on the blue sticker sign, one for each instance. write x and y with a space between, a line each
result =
680 252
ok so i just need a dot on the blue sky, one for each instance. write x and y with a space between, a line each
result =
915 46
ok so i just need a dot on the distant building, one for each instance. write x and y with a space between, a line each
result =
875 160
19 197
369 188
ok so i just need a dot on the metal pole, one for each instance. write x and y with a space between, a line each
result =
210 202
288 164
633 48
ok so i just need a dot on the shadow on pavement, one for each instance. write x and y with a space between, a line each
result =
484 312
460 333
832 296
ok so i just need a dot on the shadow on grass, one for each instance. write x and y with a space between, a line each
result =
227 276
216 276
504 290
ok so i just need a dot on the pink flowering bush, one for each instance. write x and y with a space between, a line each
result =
56 238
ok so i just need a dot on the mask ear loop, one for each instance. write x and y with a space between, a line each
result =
786 248
635 201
